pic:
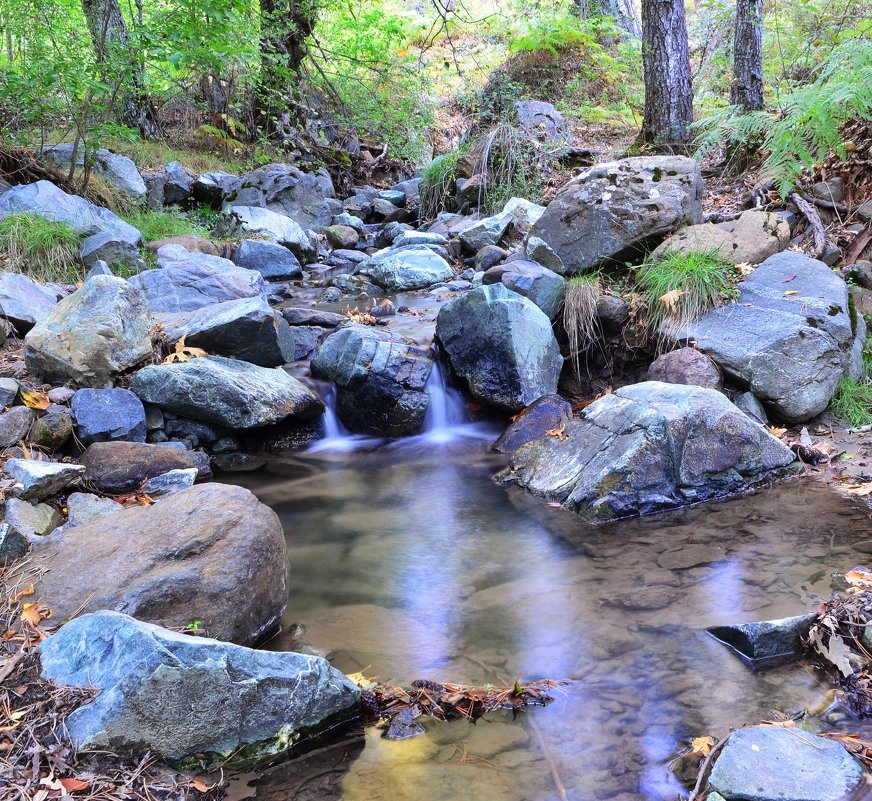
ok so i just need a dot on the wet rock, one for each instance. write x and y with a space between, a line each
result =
179 184
404 726
122 466
246 329
646 448
332 294
44 199
537 283
502 345
766 639
789 350
170 482
613 208
23 302
770 763
15 425
380 379
238 462
248 704
104 415
32 519
13 544
692 555
276 228
268 258
686 366
92 335
183 428
305 340
117 255
116 170
41 479
411 269
341 236
53 429
548 413
227 392
212 553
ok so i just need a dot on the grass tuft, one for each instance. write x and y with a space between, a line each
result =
154 224
853 402
579 315
39 248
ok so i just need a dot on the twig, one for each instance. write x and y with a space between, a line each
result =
831 205
814 220
702 778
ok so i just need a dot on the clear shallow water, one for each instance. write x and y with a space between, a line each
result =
409 562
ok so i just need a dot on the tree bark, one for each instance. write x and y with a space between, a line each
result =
624 12
668 87
747 87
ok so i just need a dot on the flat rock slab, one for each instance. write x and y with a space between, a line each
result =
41 479
650 447
770 763
212 553
766 639
414 268
179 696
123 466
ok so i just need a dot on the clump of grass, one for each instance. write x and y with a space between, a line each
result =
579 315
853 402
154 224
437 181
39 248
679 288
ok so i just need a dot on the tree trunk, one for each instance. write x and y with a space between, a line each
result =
112 48
624 12
668 89
747 87
285 27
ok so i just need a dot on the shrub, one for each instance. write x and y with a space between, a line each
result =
40 248
853 401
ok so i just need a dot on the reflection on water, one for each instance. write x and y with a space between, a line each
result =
408 562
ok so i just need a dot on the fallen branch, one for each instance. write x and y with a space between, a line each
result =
814 220
858 245
830 205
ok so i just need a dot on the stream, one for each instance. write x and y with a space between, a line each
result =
408 562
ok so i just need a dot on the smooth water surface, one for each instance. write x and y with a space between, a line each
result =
408 562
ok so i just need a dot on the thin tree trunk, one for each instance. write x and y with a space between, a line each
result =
668 88
624 12
112 48
747 87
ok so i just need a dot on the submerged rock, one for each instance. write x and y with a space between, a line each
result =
380 378
502 345
646 448
179 696
212 553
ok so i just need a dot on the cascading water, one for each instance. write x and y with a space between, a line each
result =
447 410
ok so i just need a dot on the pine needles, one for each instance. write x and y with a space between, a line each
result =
579 315
39 248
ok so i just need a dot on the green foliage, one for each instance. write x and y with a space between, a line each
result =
810 121
554 33
39 248
438 179
679 288
853 401
164 223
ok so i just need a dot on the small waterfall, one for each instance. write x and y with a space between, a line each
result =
447 410
336 436
333 429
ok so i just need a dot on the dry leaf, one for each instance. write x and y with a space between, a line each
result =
860 577
790 292
74 785
670 299
28 590
559 432
33 399
182 353
702 745
745 269
777 432
33 614
199 784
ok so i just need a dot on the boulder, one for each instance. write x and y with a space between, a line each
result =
268 258
490 230
179 184
32 520
276 228
185 281
753 238
116 170
537 283
410 269
767 639
41 479
616 208
686 366
46 200
105 415
751 406
299 315
341 236
380 379
502 345
541 120
119 467
212 553
246 329
179 696
92 335
788 337
772 763
15 425
23 302
230 393
212 188
53 429
650 447
548 413
305 340
155 183
115 253
286 190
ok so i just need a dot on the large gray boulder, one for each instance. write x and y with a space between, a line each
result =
537 283
212 188
178 696
185 281
788 337
116 170
275 227
615 208
228 392
646 448
414 268
121 466
518 212
117 255
380 379
179 184
44 199
92 335
502 345
772 763
104 415
246 329
212 553
268 258
23 302
304 197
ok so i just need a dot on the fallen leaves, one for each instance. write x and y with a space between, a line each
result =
790 292
559 432
860 578
34 614
183 353
358 316
671 298
134 499
702 745
744 268
33 398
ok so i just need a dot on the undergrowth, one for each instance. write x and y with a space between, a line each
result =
580 319
160 224
437 181
853 401
39 248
